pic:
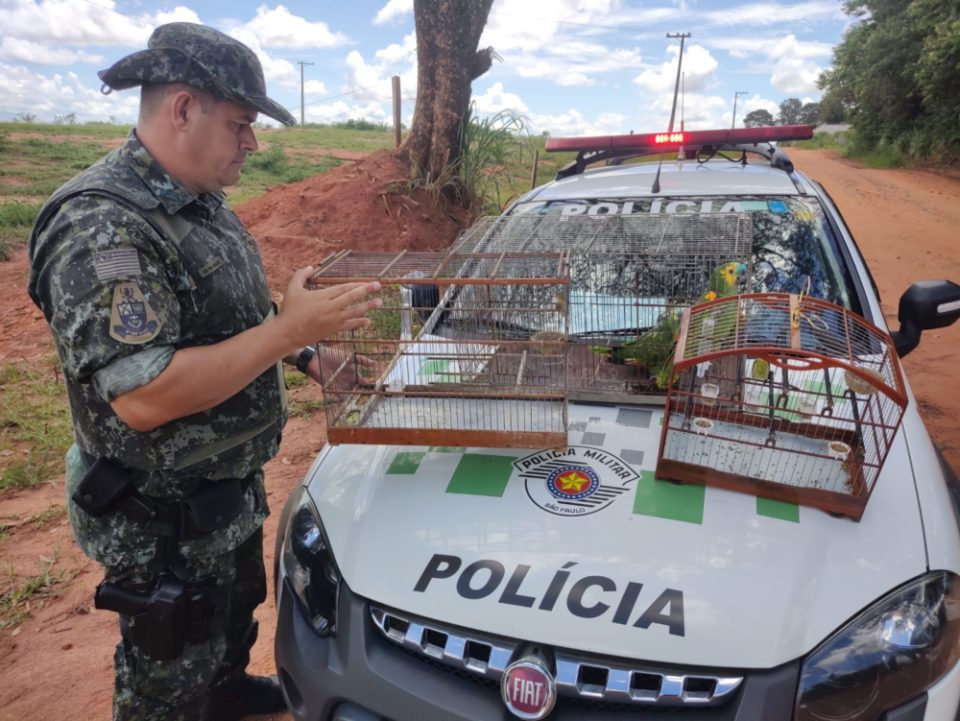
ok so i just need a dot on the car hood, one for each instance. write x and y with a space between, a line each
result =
634 567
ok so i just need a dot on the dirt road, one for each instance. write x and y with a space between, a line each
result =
907 224
58 664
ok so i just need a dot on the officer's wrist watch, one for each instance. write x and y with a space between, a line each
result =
303 360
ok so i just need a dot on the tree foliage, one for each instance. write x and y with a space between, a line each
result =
790 110
896 76
757 118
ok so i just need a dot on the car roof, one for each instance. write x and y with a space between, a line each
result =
677 178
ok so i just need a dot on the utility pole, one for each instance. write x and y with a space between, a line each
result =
683 85
676 87
301 63
735 96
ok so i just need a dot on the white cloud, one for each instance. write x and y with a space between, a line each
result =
698 68
339 111
772 47
367 81
179 14
23 91
496 99
531 25
393 9
76 22
704 112
275 70
574 63
573 123
28 51
314 87
398 53
774 13
758 103
373 81
793 75
279 28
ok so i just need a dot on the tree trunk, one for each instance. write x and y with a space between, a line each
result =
448 61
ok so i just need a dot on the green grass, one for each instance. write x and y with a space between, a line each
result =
101 131
339 137
16 220
26 593
847 144
37 158
305 407
35 428
276 166
53 514
294 378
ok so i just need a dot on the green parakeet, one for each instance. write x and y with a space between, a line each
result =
654 349
708 329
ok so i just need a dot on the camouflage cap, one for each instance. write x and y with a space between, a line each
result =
200 57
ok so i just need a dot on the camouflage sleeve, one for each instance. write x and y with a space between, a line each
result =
132 371
106 290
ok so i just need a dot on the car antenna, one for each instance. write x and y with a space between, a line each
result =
656 179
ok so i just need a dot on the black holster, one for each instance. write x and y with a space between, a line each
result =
161 621
103 487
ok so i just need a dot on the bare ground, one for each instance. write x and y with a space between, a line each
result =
58 664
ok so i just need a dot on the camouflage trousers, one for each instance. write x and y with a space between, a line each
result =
149 690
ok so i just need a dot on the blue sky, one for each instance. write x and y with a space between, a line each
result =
571 67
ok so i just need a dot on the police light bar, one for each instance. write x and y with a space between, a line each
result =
690 139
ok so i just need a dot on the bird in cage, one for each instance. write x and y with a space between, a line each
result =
724 280
709 329
653 350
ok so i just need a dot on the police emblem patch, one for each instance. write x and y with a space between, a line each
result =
577 481
132 320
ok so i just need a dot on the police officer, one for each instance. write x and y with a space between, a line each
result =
171 349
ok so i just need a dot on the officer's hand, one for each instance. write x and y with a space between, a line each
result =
309 315
328 363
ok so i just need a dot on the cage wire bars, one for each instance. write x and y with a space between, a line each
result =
484 344
784 396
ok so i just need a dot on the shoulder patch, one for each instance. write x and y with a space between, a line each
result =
116 263
132 320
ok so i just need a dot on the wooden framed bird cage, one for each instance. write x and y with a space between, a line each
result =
783 396
468 349
630 277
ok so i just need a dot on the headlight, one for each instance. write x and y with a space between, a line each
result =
888 655
309 566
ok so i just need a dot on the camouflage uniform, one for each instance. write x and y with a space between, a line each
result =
130 266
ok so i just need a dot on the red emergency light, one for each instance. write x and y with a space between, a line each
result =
690 139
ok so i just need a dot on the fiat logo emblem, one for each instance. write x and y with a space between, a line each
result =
528 688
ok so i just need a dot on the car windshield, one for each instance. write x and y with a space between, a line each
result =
791 246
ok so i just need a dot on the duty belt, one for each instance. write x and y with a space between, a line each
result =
107 486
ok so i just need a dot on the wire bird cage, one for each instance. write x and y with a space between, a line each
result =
784 396
467 350
630 277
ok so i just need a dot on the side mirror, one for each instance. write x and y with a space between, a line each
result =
926 305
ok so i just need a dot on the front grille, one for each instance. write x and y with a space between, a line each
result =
576 678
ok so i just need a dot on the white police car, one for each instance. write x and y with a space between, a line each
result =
435 583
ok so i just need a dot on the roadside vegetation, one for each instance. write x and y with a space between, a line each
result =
20 595
35 429
895 79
